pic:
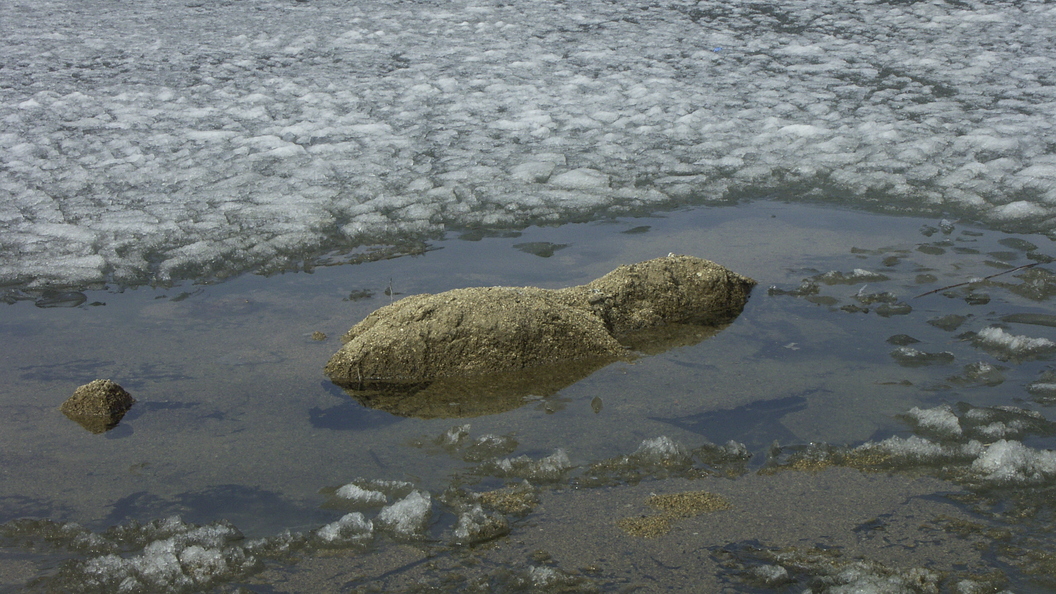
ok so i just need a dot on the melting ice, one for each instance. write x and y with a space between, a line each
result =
160 140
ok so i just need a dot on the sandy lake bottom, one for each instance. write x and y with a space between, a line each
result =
851 429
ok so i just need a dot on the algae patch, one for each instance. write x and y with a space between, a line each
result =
672 507
518 500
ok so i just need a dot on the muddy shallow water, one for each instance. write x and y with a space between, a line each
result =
235 421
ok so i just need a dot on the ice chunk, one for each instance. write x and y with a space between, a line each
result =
359 495
543 576
663 457
804 130
475 525
1012 462
191 557
917 449
858 275
1003 422
453 436
940 420
349 529
1012 345
210 135
733 450
581 179
771 575
534 172
660 451
408 516
1020 209
201 563
981 372
489 446
550 468
911 357
1000 429
1044 388
866 578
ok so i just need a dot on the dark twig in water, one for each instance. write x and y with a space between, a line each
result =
979 280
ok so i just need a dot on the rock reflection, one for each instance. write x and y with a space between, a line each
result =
462 397
475 396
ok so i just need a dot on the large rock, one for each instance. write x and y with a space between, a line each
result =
481 350
98 406
671 290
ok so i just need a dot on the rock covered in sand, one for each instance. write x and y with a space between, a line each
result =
484 332
98 406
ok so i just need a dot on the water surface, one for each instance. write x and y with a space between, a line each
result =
235 421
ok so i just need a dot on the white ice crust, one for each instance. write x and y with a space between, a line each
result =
357 494
350 528
408 516
150 141
995 337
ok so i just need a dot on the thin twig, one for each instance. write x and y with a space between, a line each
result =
979 280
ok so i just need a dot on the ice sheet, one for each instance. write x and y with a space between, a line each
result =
170 139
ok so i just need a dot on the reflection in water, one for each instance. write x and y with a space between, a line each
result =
476 396
61 299
252 509
543 249
347 416
501 392
756 424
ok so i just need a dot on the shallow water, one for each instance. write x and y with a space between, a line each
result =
235 421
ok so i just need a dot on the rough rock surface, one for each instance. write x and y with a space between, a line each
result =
497 339
467 332
671 290
98 406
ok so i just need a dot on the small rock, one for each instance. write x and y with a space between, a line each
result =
596 404
98 406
